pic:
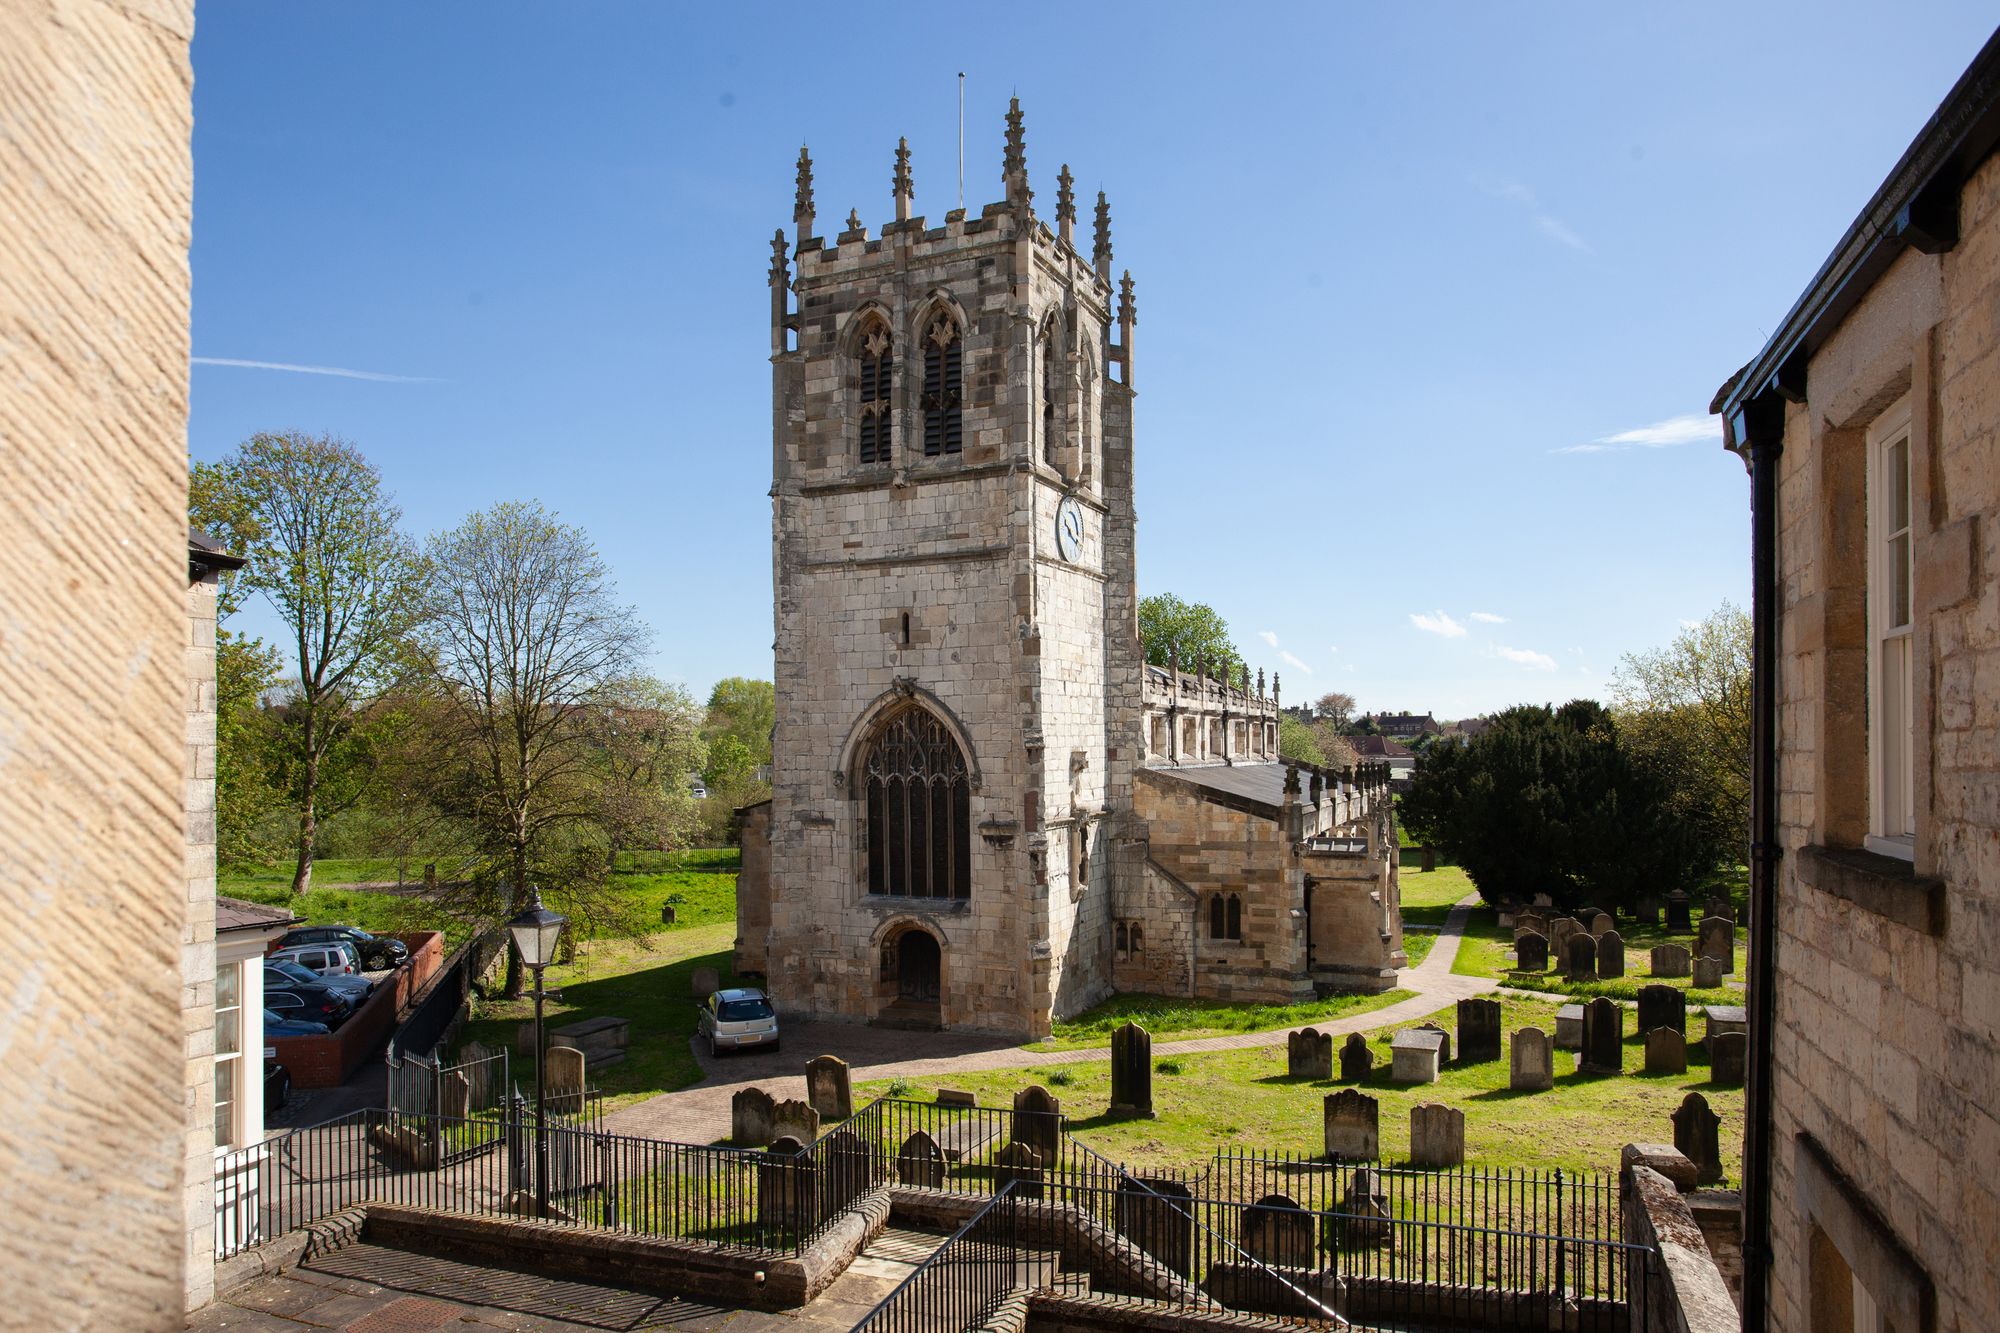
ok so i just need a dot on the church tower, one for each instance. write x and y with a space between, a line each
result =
957 658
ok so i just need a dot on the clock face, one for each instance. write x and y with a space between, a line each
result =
1069 529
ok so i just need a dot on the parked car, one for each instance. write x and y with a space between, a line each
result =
281 972
313 1003
377 951
324 960
276 1025
734 1019
277 1086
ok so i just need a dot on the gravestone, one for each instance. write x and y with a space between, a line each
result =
1718 941
955 1097
1662 1007
1532 1063
454 1095
1724 1018
1357 1061
1021 1165
705 982
1276 1231
565 1080
1610 955
1527 921
1697 1135
784 1174
828 1087
1437 1136
1444 1047
1677 911
524 1039
1132 1071
1666 1051
1603 1037
1601 923
1726 1056
1367 1220
1707 973
1352 1126
847 1169
1543 900
1647 911
1157 1215
430 875
1722 907
752 1115
1413 1056
1580 958
794 1119
1037 1122
1309 1054
1531 952
920 1162
1569 1027
1560 931
965 1138
668 916
1586 917
1670 960
1478 1031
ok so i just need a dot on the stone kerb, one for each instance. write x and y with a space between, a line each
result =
1531 1065
1352 1126
1437 1136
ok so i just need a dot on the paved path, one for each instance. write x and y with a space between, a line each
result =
700 1114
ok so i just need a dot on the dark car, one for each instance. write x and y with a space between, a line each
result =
277 1087
275 1026
303 1002
378 952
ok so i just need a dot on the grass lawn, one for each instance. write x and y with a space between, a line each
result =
1428 892
1177 1018
1418 944
1488 951
1244 1099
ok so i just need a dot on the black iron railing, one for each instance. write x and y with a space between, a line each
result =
963 1283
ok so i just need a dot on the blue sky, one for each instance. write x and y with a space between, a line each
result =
1432 298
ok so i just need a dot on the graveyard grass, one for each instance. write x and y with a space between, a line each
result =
1487 950
1178 1018
1245 1100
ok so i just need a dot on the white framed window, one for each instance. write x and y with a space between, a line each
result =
1892 802
229 1081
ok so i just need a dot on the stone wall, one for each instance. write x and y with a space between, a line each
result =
198 958
1888 1001
95 187
753 888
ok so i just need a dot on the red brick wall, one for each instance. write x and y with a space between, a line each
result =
326 1062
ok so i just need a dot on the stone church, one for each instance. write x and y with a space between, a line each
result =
988 812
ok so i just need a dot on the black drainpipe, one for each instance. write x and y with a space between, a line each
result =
1759 429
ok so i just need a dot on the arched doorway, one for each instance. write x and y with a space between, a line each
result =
912 979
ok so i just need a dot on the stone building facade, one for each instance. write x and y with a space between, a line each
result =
962 702
96 186
1876 409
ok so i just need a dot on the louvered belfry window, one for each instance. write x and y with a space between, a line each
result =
919 810
944 349
1049 393
877 368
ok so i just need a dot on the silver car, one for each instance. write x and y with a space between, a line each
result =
732 1020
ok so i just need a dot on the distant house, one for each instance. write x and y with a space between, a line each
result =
1403 726
1473 727
1402 760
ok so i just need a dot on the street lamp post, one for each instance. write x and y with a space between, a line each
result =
535 930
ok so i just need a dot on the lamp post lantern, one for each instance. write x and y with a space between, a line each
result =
535 930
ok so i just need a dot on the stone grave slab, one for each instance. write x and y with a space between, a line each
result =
1670 960
1351 1125
603 1041
965 1139
1697 1135
1357 1061
1531 952
1437 1136
1727 1055
1037 1122
1717 940
1414 1054
1707 973
1478 1031
1662 1007
829 1087
1132 1071
920 1162
794 1119
1666 1051
1610 955
1276 1231
1309 1054
1603 1037
1678 916
1532 1063
1569 1027
1580 958
752 1118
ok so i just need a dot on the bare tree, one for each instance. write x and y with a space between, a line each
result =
526 639
1336 707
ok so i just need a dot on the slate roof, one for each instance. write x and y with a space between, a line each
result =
1257 789
235 914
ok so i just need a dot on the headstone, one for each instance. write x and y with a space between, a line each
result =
1444 1047
920 1162
454 1095
1666 1051
1276 1231
430 874
667 915
1535 921
1560 931
1132 1071
956 1097
1532 1063
1543 900
1569 1027
1021 1165
1670 960
1697 1135
847 1169
784 1175
1677 911
1037 1122
1662 1007
1601 923
752 1118
1586 916
1357 1061
1726 1056
705 982
794 1119
1309 1054
1603 1037
1580 958
1722 907
828 1087
1723 1018
1352 1125
1366 1220
1414 1056
1531 952
1478 1031
1647 911
524 1039
1718 940
1157 1215
1437 1136
1707 973
1610 955
565 1080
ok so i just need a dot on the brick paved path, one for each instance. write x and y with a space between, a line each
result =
700 1114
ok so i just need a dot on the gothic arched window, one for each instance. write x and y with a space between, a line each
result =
1235 917
1050 453
1218 918
875 360
944 376
919 810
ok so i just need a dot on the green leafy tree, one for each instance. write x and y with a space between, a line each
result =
245 739
649 742
741 713
1167 622
1298 742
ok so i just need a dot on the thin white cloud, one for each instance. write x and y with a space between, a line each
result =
1488 618
1334 649
1292 660
342 371
1437 622
1689 428
1526 657
1547 223
1270 639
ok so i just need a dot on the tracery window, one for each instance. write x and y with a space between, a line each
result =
919 810
875 364
1225 917
944 348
